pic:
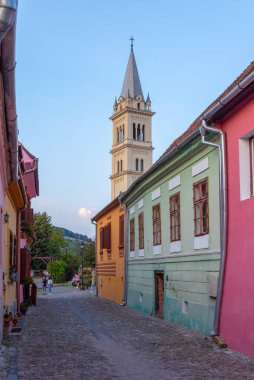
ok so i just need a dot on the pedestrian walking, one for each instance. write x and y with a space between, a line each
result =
50 284
44 285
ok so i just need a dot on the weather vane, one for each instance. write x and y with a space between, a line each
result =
132 39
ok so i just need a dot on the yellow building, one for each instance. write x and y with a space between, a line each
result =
110 252
15 199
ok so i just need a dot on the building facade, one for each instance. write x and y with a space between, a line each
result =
132 132
234 117
173 239
110 252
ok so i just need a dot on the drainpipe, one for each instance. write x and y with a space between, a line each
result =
223 215
125 248
95 224
8 10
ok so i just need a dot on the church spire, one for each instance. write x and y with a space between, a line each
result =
131 80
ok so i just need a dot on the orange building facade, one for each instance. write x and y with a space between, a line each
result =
110 252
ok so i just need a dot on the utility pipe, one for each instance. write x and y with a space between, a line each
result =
223 215
8 11
120 197
95 224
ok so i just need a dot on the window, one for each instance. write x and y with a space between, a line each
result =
132 235
107 237
138 132
121 233
138 105
142 164
121 165
143 133
141 230
137 164
134 131
174 208
252 166
117 135
101 239
101 243
156 225
118 167
200 201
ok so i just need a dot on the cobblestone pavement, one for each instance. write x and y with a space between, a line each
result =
73 334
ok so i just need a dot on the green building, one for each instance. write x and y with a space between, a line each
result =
173 235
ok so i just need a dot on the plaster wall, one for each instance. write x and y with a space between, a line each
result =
110 286
237 316
10 291
185 271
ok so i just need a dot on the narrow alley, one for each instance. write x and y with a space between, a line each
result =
74 334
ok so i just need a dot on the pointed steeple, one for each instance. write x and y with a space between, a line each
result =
131 85
148 98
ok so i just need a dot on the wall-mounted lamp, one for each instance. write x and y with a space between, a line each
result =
6 217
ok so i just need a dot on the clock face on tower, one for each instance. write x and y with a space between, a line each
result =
132 131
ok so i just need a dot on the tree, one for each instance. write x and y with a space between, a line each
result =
89 254
56 242
43 232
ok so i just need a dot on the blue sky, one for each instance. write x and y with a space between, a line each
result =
71 60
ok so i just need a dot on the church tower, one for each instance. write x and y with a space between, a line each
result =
132 151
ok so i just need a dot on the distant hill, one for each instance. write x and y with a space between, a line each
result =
72 235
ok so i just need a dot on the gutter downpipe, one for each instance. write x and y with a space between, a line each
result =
120 197
223 216
8 11
95 224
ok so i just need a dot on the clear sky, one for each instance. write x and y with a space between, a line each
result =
71 60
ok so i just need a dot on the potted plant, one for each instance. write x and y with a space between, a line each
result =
15 320
7 321
23 308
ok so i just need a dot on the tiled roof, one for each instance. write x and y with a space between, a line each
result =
196 124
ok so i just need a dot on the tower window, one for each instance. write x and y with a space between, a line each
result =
121 165
117 135
143 133
134 131
138 133
137 164
142 165
138 105
118 168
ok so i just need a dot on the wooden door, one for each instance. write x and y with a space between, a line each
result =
159 294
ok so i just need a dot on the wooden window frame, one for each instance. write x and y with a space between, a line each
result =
203 200
175 214
141 237
121 232
156 223
132 234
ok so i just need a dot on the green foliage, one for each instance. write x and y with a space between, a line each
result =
57 269
56 242
73 235
72 266
49 240
89 255
43 231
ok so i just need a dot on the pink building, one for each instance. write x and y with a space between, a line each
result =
8 128
234 115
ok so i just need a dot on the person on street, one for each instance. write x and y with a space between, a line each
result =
44 285
50 284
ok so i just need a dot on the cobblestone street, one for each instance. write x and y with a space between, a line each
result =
73 334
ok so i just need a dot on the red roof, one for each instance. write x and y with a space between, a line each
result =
196 124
